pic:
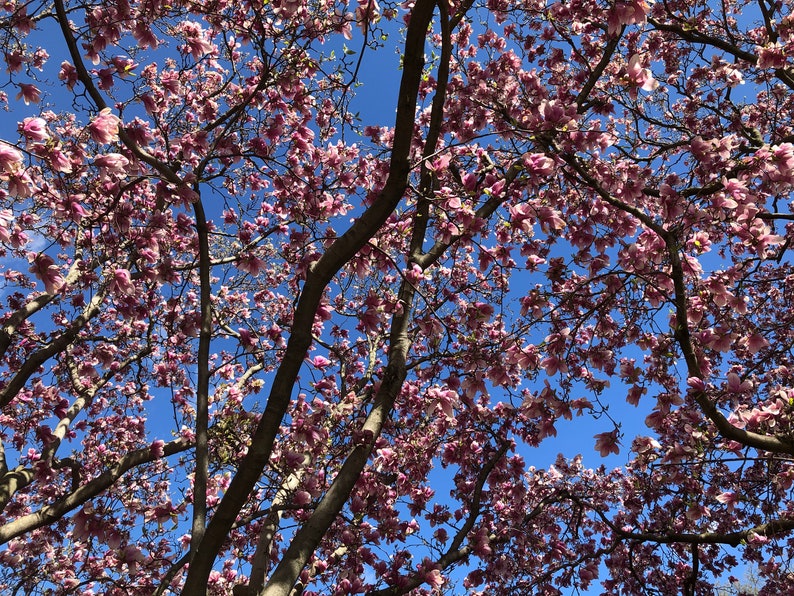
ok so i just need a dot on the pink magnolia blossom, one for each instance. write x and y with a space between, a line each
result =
6 220
15 60
344 22
445 399
697 512
196 39
736 385
627 13
251 264
124 66
105 127
734 77
523 216
59 161
414 274
144 35
105 78
34 129
122 282
247 339
756 342
771 56
112 163
538 165
132 556
301 497
729 498
366 12
434 579
20 185
10 158
320 362
68 74
696 383
588 572
48 272
22 22
72 209
639 77
156 448
553 364
757 539
481 543
164 513
607 443
29 93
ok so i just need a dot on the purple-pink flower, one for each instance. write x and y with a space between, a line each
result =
34 129
113 163
122 282
607 443
639 77
29 93
10 158
48 272
105 127
68 74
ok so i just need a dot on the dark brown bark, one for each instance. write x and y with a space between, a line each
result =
319 275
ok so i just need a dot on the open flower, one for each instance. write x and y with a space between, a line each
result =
638 77
320 362
538 165
20 185
68 74
59 160
48 272
10 158
122 282
729 498
607 443
156 448
771 56
627 13
197 44
34 129
756 342
112 163
29 93
105 127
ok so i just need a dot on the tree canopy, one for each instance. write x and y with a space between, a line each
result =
257 341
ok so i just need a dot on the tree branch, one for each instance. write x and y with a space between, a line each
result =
684 339
309 535
51 513
57 345
454 553
261 560
596 73
201 471
697 36
767 530
682 335
317 278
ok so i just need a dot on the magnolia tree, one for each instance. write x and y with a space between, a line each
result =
255 344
